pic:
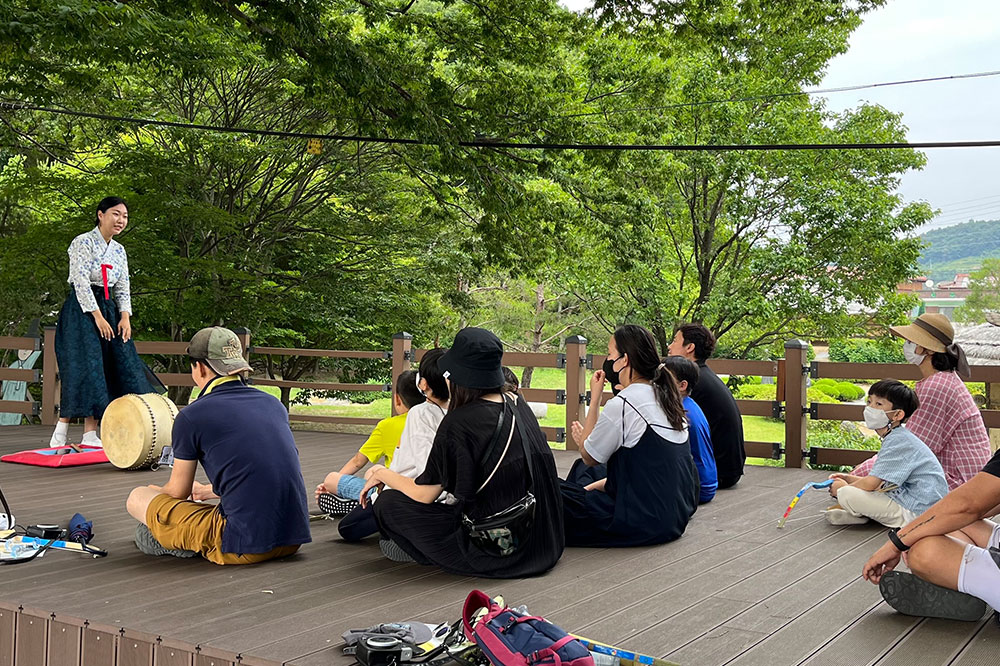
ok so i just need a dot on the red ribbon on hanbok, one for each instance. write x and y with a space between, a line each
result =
104 274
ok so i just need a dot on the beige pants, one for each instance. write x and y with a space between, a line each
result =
875 505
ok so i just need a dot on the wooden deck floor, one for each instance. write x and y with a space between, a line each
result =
734 590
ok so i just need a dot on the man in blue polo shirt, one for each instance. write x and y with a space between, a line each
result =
242 439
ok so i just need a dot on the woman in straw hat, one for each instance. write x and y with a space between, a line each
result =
947 420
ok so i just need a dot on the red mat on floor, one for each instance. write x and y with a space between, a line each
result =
59 457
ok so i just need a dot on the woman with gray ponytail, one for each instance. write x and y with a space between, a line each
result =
636 483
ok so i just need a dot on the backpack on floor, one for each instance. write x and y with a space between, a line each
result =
509 638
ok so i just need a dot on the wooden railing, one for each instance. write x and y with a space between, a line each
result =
790 375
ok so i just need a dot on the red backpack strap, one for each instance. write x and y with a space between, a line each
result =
551 651
477 599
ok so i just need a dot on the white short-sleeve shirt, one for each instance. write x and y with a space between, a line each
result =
609 434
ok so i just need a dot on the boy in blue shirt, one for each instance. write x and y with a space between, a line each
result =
686 374
906 478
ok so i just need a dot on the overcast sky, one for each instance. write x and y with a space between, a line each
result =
912 39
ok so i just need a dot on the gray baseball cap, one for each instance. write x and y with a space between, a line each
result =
220 348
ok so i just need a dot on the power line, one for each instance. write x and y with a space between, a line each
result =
491 143
798 93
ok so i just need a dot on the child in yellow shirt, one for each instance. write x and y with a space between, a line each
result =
340 491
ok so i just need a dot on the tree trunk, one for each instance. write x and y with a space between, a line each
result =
526 376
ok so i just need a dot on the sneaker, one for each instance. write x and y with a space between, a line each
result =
58 440
393 552
335 505
911 595
837 515
147 543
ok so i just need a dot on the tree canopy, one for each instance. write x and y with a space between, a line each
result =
344 247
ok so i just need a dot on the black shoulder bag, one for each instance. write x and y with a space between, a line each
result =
506 531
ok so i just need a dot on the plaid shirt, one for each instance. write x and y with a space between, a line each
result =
950 424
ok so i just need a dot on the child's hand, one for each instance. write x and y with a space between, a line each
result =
846 478
837 485
320 490
576 429
372 471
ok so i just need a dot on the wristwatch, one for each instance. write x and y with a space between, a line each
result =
896 541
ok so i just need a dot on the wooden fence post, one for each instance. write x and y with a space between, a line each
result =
796 365
993 402
576 385
402 354
50 378
243 335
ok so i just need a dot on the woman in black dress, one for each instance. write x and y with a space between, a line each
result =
485 478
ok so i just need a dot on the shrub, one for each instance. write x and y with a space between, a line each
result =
755 392
833 435
847 391
867 351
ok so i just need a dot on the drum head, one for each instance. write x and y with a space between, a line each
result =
135 428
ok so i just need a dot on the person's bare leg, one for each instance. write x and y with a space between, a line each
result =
138 502
937 560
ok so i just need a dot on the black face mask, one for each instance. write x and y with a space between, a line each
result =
611 374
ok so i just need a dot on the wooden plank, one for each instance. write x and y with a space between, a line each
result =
65 640
831 411
865 370
726 366
867 640
550 396
828 456
991 417
32 637
762 449
933 641
981 650
210 656
347 420
22 342
50 377
171 652
175 378
755 407
31 376
325 353
100 645
19 407
319 386
135 648
161 347
8 632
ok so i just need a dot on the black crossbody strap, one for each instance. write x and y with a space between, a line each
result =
486 464
528 458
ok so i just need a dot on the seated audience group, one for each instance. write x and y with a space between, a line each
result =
461 477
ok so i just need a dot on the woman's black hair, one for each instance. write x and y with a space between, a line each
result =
430 372
463 395
640 347
510 382
406 389
109 202
943 361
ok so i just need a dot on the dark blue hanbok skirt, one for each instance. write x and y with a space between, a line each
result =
94 371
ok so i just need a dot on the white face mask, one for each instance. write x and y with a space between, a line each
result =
875 418
911 355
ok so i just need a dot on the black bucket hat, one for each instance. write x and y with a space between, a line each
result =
475 360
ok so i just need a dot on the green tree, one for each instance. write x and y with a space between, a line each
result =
985 296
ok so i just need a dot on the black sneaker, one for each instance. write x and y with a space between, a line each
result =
393 552
911 595
147 543
335 505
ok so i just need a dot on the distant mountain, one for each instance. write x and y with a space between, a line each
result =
959 249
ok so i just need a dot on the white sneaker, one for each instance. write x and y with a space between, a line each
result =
837 515
91 439
58 440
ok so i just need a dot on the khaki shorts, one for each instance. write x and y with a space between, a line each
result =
187 525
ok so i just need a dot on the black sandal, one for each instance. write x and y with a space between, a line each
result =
911 595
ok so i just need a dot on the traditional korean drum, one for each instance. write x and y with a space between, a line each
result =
135 428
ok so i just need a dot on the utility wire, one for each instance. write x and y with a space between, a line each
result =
491 143
797 93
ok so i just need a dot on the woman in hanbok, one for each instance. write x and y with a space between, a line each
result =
97 358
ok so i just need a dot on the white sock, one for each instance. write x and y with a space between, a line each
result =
59 434
91 438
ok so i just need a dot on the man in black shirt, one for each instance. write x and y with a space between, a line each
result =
696 343
952 550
